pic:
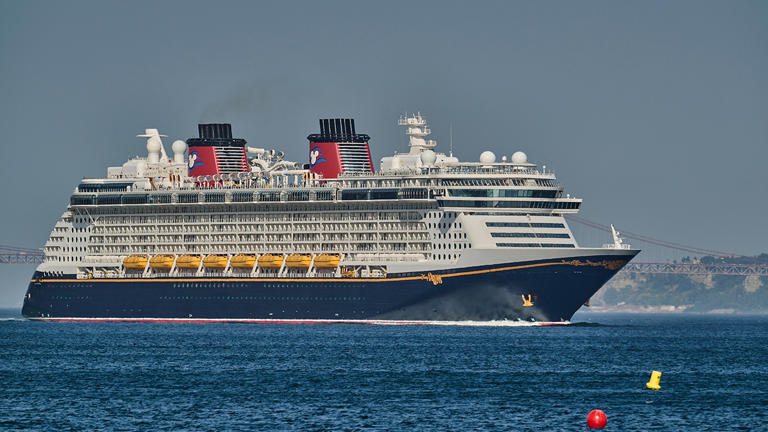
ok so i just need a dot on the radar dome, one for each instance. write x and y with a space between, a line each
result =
428 157
179 146
487 157
153 145
519 158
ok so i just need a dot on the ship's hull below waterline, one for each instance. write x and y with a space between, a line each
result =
540 291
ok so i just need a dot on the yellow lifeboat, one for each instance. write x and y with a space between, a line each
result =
327 261
218 262
135 262
298 261
270 261
161 262
243 261
188 262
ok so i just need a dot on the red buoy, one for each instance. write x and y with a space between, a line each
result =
596 419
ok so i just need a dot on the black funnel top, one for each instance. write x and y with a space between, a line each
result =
338 130
215 134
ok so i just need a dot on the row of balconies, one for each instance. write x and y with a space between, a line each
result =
257 229
204 241
260 248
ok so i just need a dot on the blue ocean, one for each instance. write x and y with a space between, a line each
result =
214 377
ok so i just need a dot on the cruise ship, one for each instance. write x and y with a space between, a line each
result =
223 232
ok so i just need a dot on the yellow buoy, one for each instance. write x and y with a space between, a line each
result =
653 384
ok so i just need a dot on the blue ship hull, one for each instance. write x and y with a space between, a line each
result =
546 291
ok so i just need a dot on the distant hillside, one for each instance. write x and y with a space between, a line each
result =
676 293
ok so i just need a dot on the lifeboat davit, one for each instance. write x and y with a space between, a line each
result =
327 261
135 262
298 261
243 261
218 262
188 262
161 262
270 261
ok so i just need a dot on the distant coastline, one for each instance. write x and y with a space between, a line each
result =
680 293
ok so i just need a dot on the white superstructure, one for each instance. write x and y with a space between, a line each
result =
422 211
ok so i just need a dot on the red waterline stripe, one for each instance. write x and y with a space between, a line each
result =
281 321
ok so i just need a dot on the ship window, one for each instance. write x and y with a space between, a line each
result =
187 198
509 204
377 194
523 225
298 196
160 199
107 187
503 193
242 197
82 200
531 235
547 225
355 195
269 196
135 199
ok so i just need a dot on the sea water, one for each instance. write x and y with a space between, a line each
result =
214 377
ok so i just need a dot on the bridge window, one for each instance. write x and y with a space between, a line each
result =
539 235
523 225
546 245
509 204
504 193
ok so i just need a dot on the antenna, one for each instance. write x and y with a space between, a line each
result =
450 152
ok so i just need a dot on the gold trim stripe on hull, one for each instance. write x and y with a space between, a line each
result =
606 264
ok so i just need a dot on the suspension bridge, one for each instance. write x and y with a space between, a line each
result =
670 252
18 255
652 248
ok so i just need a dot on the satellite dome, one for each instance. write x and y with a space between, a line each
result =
451 161
519 158
487 157
179 146
428 158
153 145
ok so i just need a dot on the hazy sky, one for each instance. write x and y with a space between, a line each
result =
656 113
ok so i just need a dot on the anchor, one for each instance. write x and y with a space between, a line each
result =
526 301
